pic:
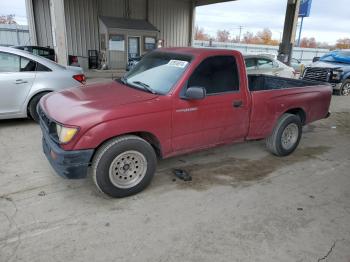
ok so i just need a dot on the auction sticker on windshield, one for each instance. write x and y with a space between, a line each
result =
178 63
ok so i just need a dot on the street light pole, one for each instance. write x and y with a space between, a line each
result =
300 29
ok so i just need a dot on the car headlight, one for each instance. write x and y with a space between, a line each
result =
336 75
65 134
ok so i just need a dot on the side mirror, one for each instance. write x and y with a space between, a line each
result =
315 59
195 93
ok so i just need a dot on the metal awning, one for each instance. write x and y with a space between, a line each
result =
210 2
127 23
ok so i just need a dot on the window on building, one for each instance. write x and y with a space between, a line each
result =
217 74
116 42
150 43
9 62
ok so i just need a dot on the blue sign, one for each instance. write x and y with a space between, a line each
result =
305 7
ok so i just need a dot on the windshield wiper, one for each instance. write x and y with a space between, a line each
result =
145 86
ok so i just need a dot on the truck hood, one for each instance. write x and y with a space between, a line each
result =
93 102
332 65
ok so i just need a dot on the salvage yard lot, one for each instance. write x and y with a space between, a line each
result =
242 203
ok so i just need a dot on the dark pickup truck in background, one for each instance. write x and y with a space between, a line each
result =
333 68
174 101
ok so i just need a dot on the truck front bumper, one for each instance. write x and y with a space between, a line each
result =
68 164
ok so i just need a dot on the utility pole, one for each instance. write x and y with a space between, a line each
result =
240 33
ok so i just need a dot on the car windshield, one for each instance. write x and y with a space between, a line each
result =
337 57
158 72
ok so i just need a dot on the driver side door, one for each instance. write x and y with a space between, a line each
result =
199 124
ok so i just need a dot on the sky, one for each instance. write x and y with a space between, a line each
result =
329 20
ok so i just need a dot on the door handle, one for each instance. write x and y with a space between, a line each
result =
237 103
20 81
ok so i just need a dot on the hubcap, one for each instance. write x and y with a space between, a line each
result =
346 89
290 136
128 169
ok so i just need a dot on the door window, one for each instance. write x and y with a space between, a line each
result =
217 74
27 65
9 62
250 63
264 63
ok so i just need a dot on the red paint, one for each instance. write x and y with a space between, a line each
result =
104 111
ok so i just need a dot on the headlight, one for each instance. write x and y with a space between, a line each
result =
336 75
65 134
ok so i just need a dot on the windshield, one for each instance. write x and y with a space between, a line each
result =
158 72
337 57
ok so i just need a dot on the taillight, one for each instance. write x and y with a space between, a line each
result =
80 78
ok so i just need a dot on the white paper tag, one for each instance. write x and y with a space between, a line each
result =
178 63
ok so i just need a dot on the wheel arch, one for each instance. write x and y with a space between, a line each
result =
147 136
32 97
298 112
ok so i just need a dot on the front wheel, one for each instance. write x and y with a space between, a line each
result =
124 166
345 88
285 136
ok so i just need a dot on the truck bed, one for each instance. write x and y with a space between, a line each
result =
267 82
273 96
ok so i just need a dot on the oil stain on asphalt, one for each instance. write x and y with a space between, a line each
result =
237 172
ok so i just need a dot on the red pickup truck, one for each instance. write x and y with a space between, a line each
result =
174 101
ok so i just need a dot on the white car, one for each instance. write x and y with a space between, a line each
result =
25 78
266 65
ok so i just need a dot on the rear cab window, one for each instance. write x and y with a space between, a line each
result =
217 74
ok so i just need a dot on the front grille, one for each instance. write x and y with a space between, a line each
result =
317 74
47 124
44 119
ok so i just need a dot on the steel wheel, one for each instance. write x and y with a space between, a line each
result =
345 90
290 136
128 169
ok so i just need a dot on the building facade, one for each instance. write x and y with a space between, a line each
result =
119 29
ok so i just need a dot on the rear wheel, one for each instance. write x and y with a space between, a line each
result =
33 104
285 136
124 166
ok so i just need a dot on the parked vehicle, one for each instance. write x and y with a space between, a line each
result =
265 64
25 78
46 52
333 68
133 62
174 101
297 65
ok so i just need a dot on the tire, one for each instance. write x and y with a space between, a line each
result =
33 104
124 166
345 88
286 135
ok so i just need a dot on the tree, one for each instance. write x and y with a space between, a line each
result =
264 36
199 34
343 43
308 42
248 38
7 19
222 36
